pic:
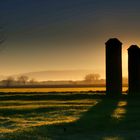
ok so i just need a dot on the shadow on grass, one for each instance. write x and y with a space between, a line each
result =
36 97
110 119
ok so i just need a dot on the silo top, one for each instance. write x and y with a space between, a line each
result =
133 47
113 42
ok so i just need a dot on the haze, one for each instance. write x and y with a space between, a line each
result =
65 35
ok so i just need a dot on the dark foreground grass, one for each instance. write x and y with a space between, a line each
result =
109 119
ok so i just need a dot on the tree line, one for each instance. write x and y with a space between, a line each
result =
20 81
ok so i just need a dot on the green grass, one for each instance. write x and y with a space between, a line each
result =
68 116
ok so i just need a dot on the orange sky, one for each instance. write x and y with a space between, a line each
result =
65 35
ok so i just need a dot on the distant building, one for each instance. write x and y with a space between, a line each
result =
113 67
134 70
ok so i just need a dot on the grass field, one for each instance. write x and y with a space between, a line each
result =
68 89
68 116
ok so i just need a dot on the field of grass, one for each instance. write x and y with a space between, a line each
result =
68 89
68 116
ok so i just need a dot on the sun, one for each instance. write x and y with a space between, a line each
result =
125 62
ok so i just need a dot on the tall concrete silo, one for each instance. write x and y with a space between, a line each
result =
134 70
113 67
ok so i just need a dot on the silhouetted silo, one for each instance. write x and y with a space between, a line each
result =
134 70
113 67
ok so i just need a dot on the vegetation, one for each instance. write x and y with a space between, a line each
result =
92 77
68 116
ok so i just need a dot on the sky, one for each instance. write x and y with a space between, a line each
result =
65 34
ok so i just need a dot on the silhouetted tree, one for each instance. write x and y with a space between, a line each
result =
8 82
92 77
22 79
32 81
